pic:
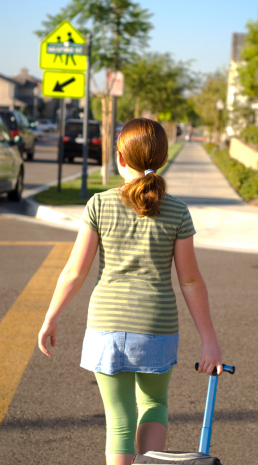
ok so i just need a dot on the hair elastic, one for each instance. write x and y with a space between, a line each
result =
148 171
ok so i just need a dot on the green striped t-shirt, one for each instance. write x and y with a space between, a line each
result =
133 291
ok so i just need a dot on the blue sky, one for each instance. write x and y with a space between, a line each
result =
189 29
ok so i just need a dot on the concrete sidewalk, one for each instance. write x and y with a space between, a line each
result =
221 218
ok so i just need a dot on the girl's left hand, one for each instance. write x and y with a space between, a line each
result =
48 330
210 358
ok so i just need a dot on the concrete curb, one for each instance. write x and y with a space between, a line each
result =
41 212
32 208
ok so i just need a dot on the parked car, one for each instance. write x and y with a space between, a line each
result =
46 125
11 164
18 125
73 140
38 133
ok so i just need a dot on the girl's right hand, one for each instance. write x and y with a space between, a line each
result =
48 330
210 358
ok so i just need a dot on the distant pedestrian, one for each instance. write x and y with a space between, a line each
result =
131 338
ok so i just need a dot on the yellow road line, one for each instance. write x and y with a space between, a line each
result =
21 324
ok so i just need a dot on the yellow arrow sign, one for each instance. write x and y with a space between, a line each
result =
63 49
61 85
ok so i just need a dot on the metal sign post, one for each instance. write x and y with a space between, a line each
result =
83 193
61 143
112 165
62 53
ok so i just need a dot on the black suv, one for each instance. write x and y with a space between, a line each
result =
73 140
18 125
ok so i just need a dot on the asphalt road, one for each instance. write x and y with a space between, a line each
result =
44 167
55 413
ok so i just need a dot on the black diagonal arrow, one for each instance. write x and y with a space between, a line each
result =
59 87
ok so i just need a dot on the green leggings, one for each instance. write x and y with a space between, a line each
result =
121 393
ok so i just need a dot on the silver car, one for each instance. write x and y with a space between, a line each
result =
11 164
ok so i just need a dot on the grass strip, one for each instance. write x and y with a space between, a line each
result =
243 180
70 191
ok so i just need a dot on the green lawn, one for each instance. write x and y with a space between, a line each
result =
70 191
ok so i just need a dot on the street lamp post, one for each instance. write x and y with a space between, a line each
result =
220 108
35 102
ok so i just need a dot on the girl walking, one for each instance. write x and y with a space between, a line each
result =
131 338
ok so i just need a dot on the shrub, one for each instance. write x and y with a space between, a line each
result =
250 136
243 180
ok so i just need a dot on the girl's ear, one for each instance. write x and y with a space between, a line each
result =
121 160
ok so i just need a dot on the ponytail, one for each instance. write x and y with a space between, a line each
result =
144 194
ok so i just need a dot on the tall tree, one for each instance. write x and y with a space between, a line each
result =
204 102
119 27
248 67
157 83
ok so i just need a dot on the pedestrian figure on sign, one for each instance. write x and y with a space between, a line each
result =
70 39
58 54
132 336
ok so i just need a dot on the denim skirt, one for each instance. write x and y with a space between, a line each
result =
111 352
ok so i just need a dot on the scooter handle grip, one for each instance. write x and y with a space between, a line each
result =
226 368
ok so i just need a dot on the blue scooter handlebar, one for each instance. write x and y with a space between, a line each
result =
226 368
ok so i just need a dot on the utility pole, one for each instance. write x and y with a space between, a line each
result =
84 193
113 166
61 142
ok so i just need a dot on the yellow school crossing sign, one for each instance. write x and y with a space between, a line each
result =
61 85
63 50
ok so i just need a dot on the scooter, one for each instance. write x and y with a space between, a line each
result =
201 457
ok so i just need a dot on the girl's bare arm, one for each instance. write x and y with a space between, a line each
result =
69 283
196 296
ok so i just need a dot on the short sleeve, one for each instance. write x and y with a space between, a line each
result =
186 227
89 216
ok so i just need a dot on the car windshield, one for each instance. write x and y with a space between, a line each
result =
74 129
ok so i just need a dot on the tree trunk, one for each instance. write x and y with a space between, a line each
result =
106 126
137 107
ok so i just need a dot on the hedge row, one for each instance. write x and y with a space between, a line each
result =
243 180
250 136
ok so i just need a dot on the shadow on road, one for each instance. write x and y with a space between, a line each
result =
99 420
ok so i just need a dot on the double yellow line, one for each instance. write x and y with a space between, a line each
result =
20 326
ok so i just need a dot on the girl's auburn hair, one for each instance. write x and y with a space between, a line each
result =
143 145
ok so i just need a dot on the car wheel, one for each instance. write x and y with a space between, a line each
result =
21 150
30 155
16 194
99 160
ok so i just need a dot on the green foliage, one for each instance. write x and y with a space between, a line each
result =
243 180
158 84
125 106
250 136
248 68
119 28
204 102
190 114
